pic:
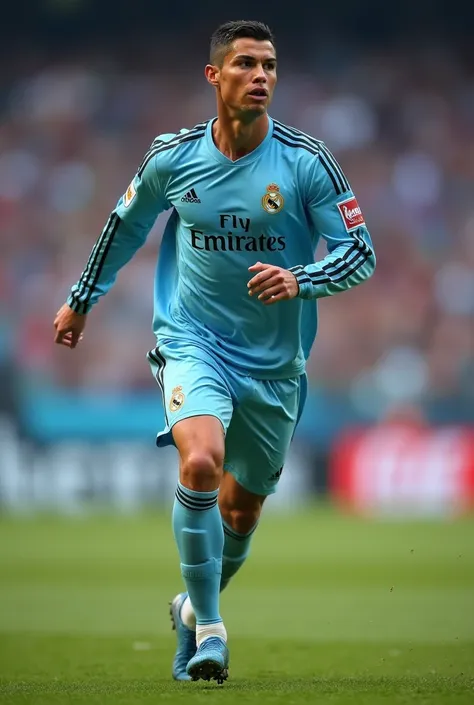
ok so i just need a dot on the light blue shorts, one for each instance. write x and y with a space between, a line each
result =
259 417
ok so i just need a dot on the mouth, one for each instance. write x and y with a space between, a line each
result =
259 93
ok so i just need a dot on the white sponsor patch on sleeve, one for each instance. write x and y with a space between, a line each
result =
351 214
130 194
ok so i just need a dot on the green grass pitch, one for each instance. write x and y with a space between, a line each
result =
328 609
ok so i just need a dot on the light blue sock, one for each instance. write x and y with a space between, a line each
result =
236 550
197 527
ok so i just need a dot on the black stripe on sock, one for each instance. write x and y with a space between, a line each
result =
191 502
234 535
194 508
190 494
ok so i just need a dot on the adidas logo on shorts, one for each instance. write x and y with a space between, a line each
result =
191 197
276 475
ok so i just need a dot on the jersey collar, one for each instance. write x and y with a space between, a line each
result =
217 154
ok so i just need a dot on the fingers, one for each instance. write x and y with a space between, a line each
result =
267 280
258 266
271 291
69 339
282 296
272 284
263 279
58 338
74 338
262 284
276 293
69 326
265 271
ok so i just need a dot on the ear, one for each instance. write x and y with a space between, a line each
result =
212 74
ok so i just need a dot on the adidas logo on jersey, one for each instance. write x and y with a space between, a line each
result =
191 197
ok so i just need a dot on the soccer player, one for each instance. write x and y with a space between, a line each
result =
234 311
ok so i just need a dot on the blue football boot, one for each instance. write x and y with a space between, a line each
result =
210 661
186 647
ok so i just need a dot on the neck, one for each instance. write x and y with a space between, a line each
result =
235 137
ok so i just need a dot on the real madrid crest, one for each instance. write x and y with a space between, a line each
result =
177 399
273 201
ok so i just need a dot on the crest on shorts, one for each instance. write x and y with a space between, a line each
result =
273 201
177 399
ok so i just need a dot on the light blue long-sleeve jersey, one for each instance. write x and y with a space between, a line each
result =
272 206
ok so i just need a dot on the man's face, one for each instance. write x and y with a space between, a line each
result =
247 78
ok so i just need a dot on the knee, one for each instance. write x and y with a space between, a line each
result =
201 470
241 520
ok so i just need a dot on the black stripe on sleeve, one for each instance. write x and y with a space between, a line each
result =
333 169
165 146
105 247
80 305
292 144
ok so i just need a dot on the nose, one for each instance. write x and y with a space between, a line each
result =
260 75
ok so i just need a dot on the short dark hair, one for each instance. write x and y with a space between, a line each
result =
225 35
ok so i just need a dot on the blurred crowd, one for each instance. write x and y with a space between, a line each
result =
400 122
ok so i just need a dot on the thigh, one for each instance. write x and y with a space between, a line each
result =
260 434
191 384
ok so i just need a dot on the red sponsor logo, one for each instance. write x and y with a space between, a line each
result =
402 469
351 214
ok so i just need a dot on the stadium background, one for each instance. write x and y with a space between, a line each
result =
392 95
333 607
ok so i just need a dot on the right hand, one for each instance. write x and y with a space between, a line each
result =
69 326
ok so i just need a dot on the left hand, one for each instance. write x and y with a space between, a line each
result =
272 283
